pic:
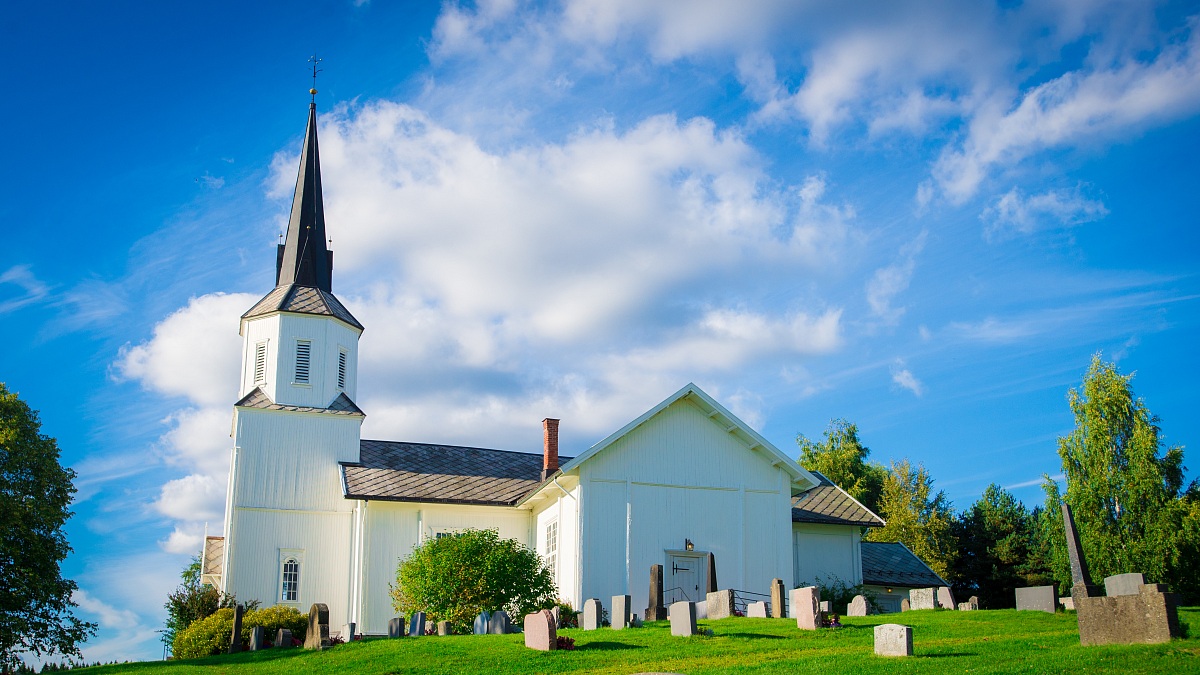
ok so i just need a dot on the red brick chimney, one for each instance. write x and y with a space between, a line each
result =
550 447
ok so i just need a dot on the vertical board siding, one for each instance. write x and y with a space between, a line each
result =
327 337
290 460
826 551
604 551
266 330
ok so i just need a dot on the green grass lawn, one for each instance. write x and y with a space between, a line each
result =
1003 641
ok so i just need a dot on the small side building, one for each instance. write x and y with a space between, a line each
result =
890 570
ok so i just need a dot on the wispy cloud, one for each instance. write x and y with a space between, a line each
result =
1014 213
904 378
29 289
1036 481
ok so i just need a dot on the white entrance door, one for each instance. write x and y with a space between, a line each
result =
682 579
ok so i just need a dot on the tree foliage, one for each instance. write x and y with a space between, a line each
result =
192 601
453 578
842 458
35 491
997 549
210 635
916 516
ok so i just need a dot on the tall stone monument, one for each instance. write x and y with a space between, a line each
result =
778 599
712 573
656 611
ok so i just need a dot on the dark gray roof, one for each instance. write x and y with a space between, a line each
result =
829 504
342 405
892 564
302 300
449 474
304 258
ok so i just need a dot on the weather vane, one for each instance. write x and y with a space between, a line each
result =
314 61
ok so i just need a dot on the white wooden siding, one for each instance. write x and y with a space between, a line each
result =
281 331
827 551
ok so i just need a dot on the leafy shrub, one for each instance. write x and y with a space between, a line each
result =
274 618
567 616
454 578
204 637
839 593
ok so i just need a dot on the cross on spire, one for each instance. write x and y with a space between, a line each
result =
314 61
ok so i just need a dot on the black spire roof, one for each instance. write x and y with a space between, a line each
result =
303 258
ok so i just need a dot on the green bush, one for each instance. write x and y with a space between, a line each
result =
272 619
454 578
839 593
210 635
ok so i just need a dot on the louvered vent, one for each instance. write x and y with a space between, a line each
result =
260 363
303 360
342 370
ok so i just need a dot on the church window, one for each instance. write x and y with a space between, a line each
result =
303 360
552 545
291 581
341 378
260 363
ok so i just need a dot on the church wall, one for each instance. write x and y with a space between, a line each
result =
563 510
827 551
327 336
265 329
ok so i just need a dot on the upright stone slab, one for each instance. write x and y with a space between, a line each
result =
701 609
892 639
499 623
258 638
1037 598
443 628
620 611
1123 584
905 605
1081 579
235 638
922 598
805 606
416 625
396 627
712 574
970 605
593 612
541 632
557 619
756 610
778 599
719 605
858 606
283 639
683 619
480 627
825 606
348 631
945 598
656 611
1067 603
317 635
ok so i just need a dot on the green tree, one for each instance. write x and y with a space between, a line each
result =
994 537
453 578
35 490
1125 488
842 458
192 601
916 516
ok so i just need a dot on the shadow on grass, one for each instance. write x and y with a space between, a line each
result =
940 655
751 636
606 646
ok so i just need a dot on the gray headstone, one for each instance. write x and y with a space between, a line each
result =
396 627
540 631
825 606
443 628
905 605
620 611
1067 602
235 638
756 610
922 598
1123 584
416 624
348 631
593 610
317 635
712 574
554 612
258 638
480 627
1037 598
499 623
970 605
778 599
701 609
656 611
283 639
806 603
857 607
945 597
683 619
635 622
719 604
892 639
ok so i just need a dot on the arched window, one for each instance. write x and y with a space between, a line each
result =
291 581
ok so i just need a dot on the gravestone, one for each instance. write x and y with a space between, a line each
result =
235 639
922 598
712 574
499 623
756 610
826 606
805 606
719 605
348 631
945 598
258 638
778 599
656 611
443 628
635 622
541 632
858 606
1067 602
593 613
701 609
1123 584
892 639
970 605
620 611
416 625
683 619
317 635
283 639
396 627
905 605
1037 598
557 619
480 627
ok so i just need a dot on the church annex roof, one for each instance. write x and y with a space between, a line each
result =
892 564
447 474
342 405
828 504
302 300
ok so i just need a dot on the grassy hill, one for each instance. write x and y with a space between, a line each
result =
1004 641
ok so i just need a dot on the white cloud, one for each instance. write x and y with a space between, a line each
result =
1014 213
193 498
31 289
891 280
903 377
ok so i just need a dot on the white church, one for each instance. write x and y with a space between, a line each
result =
315 513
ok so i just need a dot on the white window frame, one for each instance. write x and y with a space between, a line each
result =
306 381
550 537
286 555
258 369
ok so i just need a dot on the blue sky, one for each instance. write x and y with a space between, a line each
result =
922 217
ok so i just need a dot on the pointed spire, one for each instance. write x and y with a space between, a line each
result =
304 259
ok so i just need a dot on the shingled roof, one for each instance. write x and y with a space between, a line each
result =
342 405
830 505
302 300
892 564
444 474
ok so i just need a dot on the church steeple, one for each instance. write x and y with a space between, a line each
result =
303 258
